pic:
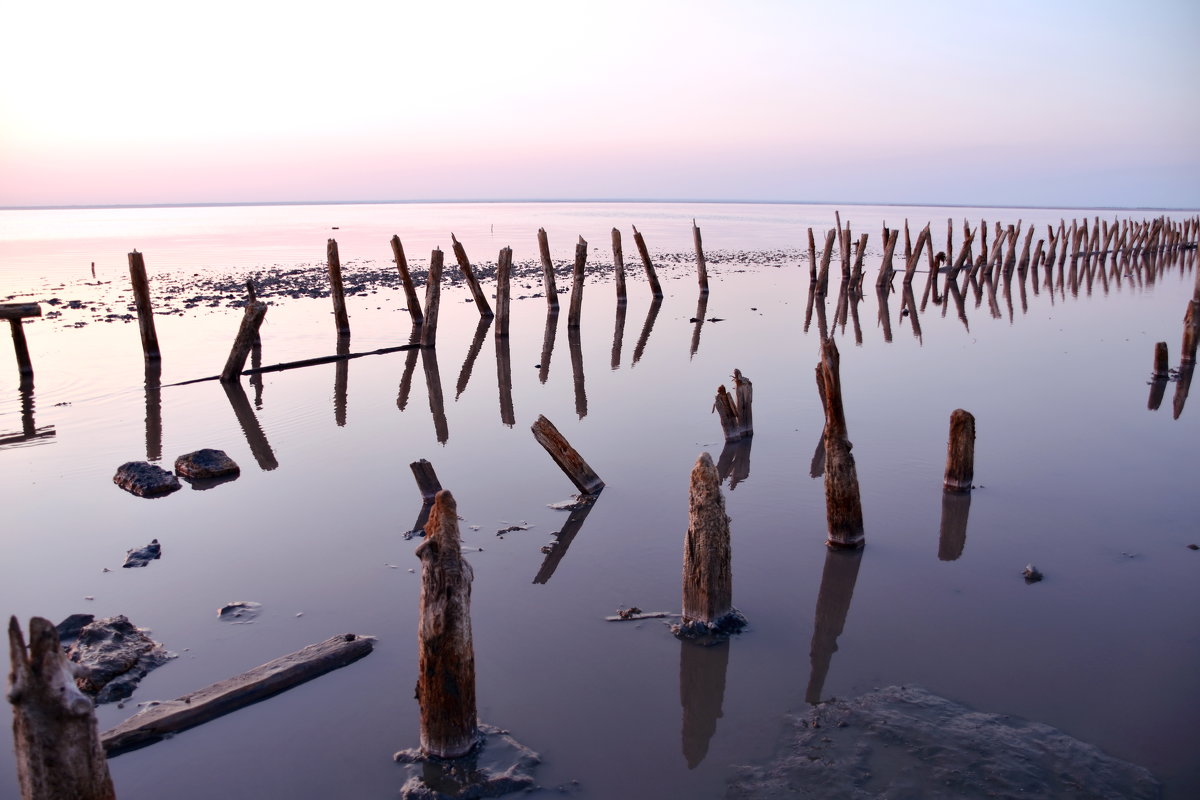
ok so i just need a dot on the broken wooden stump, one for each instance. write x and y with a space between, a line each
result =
548 269
160 720
14 313
485 309
433 299
252 320
566 456
334 263
410 291
960 452
58 752
576 309
655 288
843 507
503 278
701 264
735 410
1160 362
141 298
446 669
708 612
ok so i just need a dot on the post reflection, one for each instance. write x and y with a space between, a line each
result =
816 467
504 381
702 672
564 537
957 296
29 429
618 335
833 604
734 462
808 309
701 310
256 378
885 316
854 301
909 305
1183 382
410 366
952 537
548 342
651 316
154 429
259 446
433 384
464 375
577 371
341 377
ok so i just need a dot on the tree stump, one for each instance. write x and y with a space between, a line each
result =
843 507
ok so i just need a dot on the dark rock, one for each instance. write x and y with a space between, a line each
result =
206 463
1032 574
710 633
239 610
905 742
498 765
111 656
143 555
144 479
69 628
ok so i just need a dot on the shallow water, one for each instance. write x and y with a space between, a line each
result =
1076 475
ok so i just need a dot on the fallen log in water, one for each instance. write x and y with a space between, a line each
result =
566 456
157 721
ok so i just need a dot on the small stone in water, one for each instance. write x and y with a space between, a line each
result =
1032 574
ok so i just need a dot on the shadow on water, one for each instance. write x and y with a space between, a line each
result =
341 377
29 430
833 604
433 384
651 316
952 538
556 551
701 693
259 446
464 375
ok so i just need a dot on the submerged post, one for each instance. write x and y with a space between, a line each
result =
576 309
707 578
843 507
433 299
57 746
485 309
547 269
410 291
960 452
566 456
251 321
141 298
335 283
446 669
701 264
655 288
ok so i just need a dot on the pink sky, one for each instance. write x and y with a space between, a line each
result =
1072 103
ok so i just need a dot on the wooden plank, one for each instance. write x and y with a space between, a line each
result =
231 694
20 310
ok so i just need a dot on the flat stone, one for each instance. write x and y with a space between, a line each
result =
903 742
145 479
206 463
111 655
239 610
143 555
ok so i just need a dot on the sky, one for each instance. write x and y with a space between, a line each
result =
1091 103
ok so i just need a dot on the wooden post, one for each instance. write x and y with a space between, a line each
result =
618 265
503 274
842 505
14 313
655 288
339 295
911 259
735 410
567 458
548 269
251 321
707 577
856 272
433 299
57 746
410 291
577 284
960 452
826 254
1160 362
885 265
141 297
701 264
485 309
812 257
446 660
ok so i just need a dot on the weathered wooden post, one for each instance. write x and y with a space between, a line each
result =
446 658
856 274
410 291
503 273
339 294
1191 331
842 505
618 265
14 313
826 254
701 264
1160 362
58 751
735 411
252 320
885 265
576 309
960 452
707 578
485 308
812 258
655 288
433 299
141 298
566 456
547 269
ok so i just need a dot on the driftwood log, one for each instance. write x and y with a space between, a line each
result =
446 677
566 456
843 507
58 750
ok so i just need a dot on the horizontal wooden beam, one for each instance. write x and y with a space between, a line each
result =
19 310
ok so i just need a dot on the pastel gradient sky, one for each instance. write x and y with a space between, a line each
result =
1048 102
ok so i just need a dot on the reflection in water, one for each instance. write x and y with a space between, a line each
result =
548 342
651 316
1183 383
957 295
1158 389
464 374
908 307
410 365
808 309
701 693
618 334
341 377
433 384
563 538
255 437
993 301
956 506
577 371
822 321
701 310
154 429
504 381
734 462
833 604
855 299
885 316
29 430
843 306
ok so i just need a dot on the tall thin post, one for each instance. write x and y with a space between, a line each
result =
618 265
410 291
701 264
252 320
460 253
655 288
503 277
339 295
548 269
141 298
433 299
576 309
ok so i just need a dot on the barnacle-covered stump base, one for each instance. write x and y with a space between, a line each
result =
709 633
496 766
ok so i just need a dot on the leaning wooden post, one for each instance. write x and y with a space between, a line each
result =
842 505
503 277
141 298
960 452
433 299
812 257
341 318
58 750
618 265
707 578
576 309
410 291
547 269
446 660
485 309
655 288
566 456
701 264
251 321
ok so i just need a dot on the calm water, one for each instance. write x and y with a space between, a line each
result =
1077 476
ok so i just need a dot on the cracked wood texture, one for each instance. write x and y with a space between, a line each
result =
843 507
707 578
